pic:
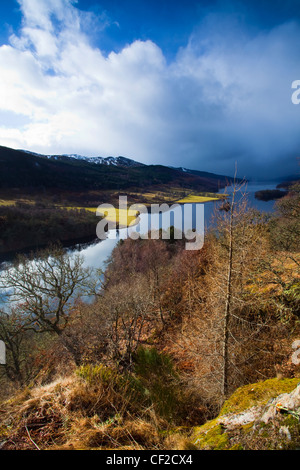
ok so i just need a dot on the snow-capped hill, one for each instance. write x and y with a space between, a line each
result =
115 161
34 153
97 160
185 170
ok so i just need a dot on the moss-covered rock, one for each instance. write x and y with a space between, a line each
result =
253 419
215 438
257 394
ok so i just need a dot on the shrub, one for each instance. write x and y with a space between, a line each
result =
160 382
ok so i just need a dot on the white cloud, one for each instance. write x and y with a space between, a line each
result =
222 99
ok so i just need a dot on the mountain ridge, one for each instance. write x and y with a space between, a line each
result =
118 161
80 173
97 160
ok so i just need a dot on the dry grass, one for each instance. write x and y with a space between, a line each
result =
71 414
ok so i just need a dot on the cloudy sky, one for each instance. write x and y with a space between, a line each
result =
201 84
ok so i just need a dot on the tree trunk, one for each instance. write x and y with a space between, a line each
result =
228 305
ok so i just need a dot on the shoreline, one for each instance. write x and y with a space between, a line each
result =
9 256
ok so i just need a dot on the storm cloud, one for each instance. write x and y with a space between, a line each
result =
224 98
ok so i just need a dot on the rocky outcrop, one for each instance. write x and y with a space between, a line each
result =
260 416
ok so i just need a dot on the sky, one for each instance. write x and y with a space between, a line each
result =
201 84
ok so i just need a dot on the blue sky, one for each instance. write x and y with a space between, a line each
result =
169 23
201 84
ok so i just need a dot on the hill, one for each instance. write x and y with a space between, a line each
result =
20 169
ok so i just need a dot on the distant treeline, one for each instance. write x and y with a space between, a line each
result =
288 184
34 225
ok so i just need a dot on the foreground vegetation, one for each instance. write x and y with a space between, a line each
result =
175 350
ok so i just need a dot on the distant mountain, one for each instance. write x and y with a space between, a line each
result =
116 161
24 169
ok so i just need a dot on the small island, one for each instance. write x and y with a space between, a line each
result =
270 194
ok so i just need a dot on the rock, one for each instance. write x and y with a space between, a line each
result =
258 416
290 401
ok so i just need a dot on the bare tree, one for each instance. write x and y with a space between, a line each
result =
12 333
45 286
285 228
24 349
240 248
130 314
282 265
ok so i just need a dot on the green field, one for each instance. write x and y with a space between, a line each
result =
122 217
192 198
